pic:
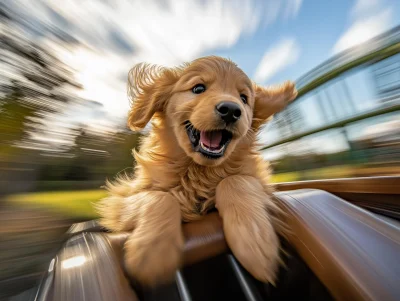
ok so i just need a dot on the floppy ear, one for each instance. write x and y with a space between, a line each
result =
149 88
271 100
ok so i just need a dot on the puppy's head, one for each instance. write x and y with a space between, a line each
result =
209 104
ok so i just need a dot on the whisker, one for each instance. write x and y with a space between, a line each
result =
249 133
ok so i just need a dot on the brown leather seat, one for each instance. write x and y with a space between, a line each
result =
355 254
204 239
377 194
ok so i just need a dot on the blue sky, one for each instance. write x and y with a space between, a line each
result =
317 28
271 41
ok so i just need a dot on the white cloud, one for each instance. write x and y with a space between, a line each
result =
272 10
362 7
296 6
172 31
293 8
100 74
364 29
163 32
277 58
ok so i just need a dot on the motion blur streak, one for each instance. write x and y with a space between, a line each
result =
63 104
73 262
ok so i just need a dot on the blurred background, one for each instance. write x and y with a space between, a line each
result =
63 100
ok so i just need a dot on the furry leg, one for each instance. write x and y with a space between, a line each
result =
153 250
242 204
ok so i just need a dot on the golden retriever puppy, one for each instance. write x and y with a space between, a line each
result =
200 153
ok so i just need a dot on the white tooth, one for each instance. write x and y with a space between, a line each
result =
216 151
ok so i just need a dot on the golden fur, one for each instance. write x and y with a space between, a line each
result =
173 183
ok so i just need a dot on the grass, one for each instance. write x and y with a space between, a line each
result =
285 177
72 204
314 174
78 204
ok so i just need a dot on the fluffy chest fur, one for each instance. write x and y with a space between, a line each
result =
195 190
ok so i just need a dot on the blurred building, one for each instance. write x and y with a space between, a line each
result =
345 121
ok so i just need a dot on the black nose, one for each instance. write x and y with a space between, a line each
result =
229 111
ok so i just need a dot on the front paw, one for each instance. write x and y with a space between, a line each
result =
153 260
255 244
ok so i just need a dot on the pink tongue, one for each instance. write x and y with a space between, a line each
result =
211 139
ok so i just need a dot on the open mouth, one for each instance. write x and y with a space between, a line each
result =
211 144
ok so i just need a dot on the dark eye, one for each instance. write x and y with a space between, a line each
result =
198 89
243 98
